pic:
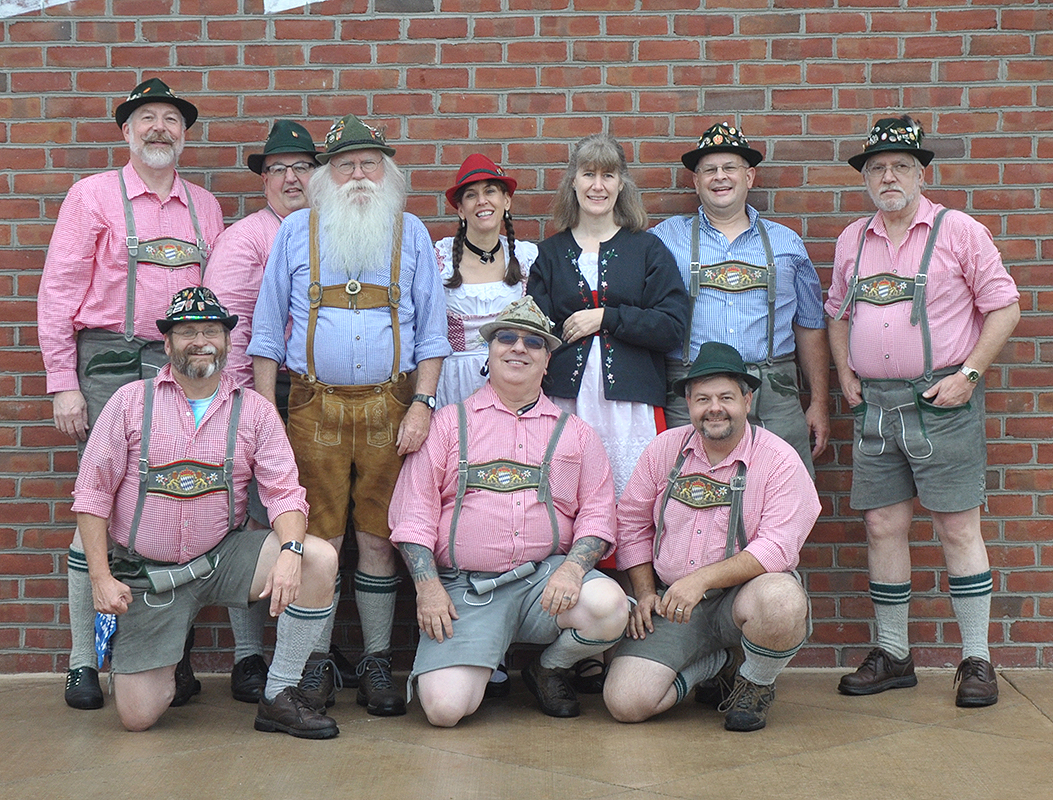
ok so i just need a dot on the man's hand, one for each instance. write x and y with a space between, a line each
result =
563 589
681 598
953 390
818 418
110 595
640 623
283 581
71 414
435 611
851 388
414 428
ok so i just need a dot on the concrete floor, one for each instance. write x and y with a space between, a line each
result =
908 743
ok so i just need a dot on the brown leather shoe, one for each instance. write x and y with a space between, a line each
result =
746 709
552 689
978 685
291 713
878 672
718 688
320 681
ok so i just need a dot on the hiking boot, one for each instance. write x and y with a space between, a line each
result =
718 688
319 682
82 688
348 675
248 678
878 672
291 713
747 707
376 691
978 685
186 685
552 689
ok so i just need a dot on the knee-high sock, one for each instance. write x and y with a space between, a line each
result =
971 600
247 626
375 597
762 666
325 638
696 672
891 611
570 648
81 612
297 632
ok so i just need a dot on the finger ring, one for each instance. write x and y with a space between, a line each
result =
680 611
566 597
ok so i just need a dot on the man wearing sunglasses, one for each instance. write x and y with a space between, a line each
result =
237 263
920 306
501 517
357 276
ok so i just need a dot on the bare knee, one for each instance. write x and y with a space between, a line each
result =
625 696
604 602
140 704
376 556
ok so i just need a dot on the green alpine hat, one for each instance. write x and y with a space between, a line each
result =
893 135
154 90
196 304
286 137
716 358
351 133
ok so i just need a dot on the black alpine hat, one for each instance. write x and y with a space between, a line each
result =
196 304
722 138
893 135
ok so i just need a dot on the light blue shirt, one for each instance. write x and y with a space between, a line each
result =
199 407
351 347
741 318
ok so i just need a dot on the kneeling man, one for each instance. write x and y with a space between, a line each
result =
710 529
166 474
501 517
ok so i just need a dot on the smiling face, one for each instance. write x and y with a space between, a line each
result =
597 190
515 369
483 205
718 409
286 191
198 349
156 133
894 181
722 181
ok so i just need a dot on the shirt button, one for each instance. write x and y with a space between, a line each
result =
692 563
886 355
520 447
357 338
699 531
358 366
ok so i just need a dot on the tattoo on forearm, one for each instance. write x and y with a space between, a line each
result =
587 552
420 560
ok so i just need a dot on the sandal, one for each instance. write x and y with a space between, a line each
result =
586 679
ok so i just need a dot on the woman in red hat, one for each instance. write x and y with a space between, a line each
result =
482 270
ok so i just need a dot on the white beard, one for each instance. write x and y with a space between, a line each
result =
157 158
357 218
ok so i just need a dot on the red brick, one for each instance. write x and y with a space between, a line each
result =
1000 44
783 49
207 55
769 74
668 50
437 78
650 101
838 22
968 71
602 51
304 80
273 55
899 72
1025 19
536 103
932 47
698 75
40 31
512 78
736 49
21 57
309 29
472 53
1032 71
340 54
39 82
634 25
445 27
801 98
171 30
506 128
505 27
364 30
770 25
239 30
273 105
142 57
454 103
574 127
638 76
609 102
438 129
703 25
866 49
538 6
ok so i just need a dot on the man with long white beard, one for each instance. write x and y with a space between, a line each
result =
125 241
358 277
920 306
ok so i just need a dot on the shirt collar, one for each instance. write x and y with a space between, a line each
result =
544 407
751 212
740 453
136 187
925 215
226 383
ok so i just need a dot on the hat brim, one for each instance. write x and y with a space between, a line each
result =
480 176
186 108
488 330
255 161
751 380
347 147
690 160
859 160
165 325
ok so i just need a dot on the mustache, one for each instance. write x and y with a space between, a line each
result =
206 350
166 138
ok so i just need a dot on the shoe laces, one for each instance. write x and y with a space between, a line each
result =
872 661
312 680
746 695
557 680
74 677
377 669
971 667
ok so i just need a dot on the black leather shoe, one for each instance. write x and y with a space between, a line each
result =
320 681
978 686
82 689
878 672
499 684
747 707
552 689
186 685
248 678
376 691
291 713
348 671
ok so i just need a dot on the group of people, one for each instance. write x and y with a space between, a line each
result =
507 415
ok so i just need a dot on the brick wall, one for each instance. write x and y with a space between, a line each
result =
521 80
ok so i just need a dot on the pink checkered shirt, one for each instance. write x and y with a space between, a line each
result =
499 531
235 271
177 530
779 506
966 280
86 271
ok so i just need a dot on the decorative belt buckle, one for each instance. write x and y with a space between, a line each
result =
353 287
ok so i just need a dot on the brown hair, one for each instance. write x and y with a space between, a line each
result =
600 152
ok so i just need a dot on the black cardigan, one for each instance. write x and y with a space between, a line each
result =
645 311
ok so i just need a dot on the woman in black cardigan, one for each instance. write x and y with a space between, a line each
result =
618 302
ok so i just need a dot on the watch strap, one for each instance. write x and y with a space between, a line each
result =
293 546
427 399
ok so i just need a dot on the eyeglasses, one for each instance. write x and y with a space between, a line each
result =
879 170
300 168
189 334
727 169
509 338
349 167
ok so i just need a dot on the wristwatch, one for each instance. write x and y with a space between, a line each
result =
294 546
971 374
427 399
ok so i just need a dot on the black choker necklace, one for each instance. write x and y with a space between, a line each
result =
487 257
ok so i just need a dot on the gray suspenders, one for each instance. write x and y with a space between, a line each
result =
736 523
133 252
696 284
144 459
544 492
918 313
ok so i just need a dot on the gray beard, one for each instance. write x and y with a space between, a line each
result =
181 364
157 159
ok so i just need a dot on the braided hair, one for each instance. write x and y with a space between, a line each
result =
513 271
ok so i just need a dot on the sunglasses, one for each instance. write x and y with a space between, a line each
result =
509 338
